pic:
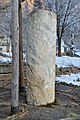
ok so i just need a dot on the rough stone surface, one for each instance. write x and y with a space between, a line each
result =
41 49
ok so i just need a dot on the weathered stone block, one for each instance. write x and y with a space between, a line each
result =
41 50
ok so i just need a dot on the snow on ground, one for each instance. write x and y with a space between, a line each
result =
72 78
67 61
5 59
8 59
77 53
64 61
7 53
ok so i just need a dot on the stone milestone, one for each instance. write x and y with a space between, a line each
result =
41 50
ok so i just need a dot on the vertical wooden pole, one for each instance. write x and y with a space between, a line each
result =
21 70
15 58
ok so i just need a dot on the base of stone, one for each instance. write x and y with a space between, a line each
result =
40 103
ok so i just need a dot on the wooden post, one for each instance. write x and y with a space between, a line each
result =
21 70
15 58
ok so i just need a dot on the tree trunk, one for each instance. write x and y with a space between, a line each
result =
59 47
21 70
15 58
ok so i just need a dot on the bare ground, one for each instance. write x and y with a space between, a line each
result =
67 70
67 104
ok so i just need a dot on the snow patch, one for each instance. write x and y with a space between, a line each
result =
66 61
70 79
5 59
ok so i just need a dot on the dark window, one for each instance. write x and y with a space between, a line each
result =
0 49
